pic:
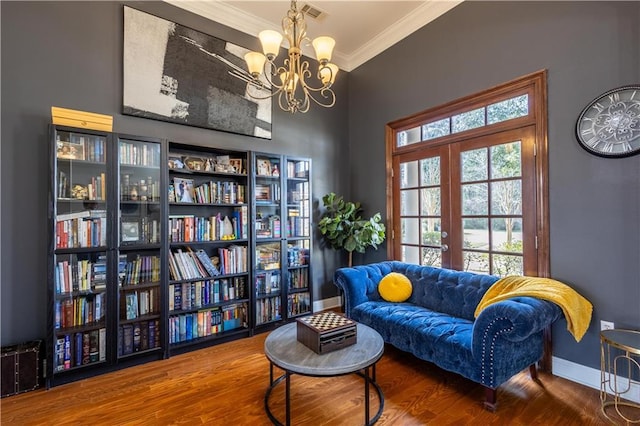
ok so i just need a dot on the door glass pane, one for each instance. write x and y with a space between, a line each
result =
475 233
506 197
430 202
410 231
467 120
436 129
409 202
431 257
508 109
408 137
474 165
506 234
504 265
431 231
475 262
430 171
506 160
409 174
474 199
410 254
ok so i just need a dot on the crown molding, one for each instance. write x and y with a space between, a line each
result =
235 18
418 18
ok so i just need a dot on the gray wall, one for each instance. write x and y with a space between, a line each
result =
69 54
587 48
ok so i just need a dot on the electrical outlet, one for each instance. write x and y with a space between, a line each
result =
606 325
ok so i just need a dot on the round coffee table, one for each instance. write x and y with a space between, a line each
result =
285 352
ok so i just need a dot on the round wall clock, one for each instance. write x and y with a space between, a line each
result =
609 126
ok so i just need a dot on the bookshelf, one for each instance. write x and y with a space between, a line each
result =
209 259
159 247
140 256
106 252
78 278
282 239
298 236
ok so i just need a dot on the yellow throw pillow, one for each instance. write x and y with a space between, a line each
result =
395 287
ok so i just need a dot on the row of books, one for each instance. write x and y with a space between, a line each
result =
82 348
81 232
297 256
81 147
134 304
202 293
79 311
189 228
208 322
268 227
299 169
142 230
73 274
220 192
267 282
299 303
141 269
298 227
268 256
139 154
139 336
268 310
298 278
267 193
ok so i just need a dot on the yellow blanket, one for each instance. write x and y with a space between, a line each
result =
577 310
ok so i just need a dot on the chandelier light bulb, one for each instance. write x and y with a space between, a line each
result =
255 62
270 41
324 48
328 74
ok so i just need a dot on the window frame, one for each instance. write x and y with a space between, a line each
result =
535 86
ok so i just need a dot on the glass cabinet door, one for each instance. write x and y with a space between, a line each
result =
268 232
298 233
80 238
139 246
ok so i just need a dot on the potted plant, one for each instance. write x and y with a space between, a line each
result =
343 227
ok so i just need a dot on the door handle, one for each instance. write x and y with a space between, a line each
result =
444 247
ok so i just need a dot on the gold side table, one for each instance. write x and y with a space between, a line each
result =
620 373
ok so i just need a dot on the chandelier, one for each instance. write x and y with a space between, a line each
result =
293 89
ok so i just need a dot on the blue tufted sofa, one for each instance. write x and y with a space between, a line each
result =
437 323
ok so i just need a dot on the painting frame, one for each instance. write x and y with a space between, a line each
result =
177 74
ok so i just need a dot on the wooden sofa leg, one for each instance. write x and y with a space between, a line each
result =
490 399
533 371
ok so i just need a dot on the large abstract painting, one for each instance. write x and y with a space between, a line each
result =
176 74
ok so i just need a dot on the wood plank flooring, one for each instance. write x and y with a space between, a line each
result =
225 384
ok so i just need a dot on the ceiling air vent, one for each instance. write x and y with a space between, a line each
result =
312 11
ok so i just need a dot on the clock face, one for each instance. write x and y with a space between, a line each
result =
610 125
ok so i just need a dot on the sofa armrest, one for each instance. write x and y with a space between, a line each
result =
512 320
508 337
357 284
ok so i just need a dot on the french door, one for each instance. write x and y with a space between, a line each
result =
469 204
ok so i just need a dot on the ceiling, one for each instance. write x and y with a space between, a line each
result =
362 29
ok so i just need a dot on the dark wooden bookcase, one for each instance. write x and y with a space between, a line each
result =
99 261
209 257
282 239
159 247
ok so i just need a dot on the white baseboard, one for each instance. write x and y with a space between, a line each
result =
324 304
590 377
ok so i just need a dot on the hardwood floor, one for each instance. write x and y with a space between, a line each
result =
225 384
